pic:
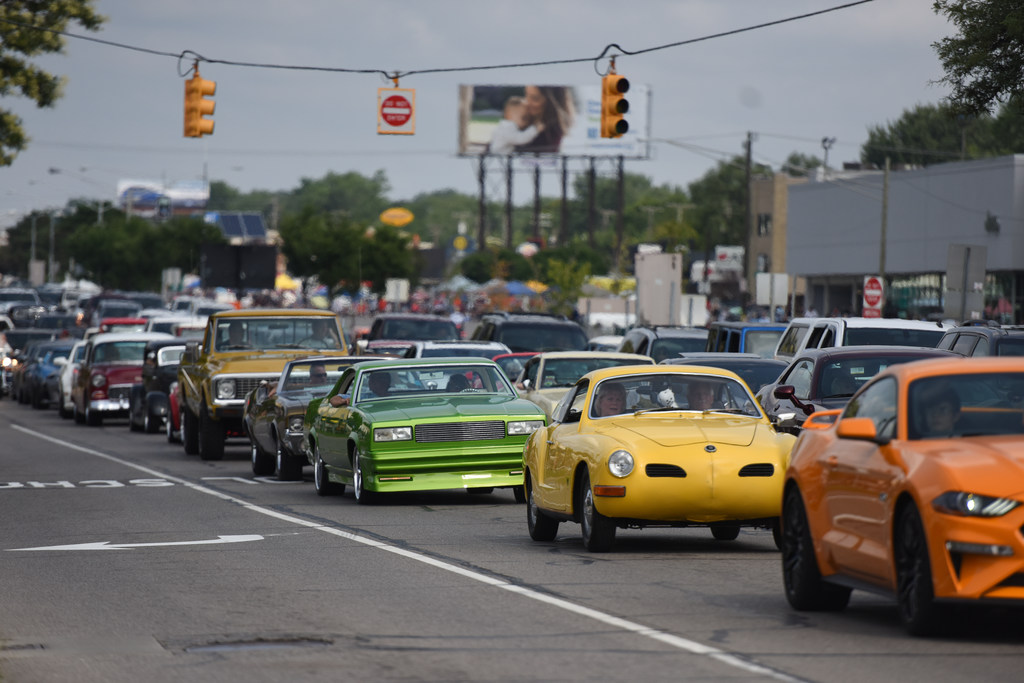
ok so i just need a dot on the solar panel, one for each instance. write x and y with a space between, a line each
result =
253 224
231 225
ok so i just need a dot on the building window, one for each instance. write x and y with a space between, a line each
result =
764 224
763 263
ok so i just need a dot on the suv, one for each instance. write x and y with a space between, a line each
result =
663 341
240 349
983 340
412 327
742 337
531 332
820 333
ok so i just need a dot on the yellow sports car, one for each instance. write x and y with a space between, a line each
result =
662 445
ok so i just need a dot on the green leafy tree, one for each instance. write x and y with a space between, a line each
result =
322 244
360 198
386 253
930 134
984 62
22 39
565 281
720 197
503 264
800 165
118 254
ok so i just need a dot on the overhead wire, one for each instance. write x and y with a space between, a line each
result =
607 52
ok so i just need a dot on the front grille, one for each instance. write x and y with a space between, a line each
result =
244 385
659 470
460 431
119 392
761 469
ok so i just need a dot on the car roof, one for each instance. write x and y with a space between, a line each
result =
876 322
870 351
104 337
271 312
953 365
594 354
628 370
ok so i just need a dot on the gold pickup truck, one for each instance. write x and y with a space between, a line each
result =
239 349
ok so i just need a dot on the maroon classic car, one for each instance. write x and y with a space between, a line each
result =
112 364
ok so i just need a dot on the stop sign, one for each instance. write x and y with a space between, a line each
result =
396 110
872 292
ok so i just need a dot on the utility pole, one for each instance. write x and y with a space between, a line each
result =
885 221
748 213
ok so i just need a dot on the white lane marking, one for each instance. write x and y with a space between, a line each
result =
669 639
107 545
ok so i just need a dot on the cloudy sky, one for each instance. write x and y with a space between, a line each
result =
831 75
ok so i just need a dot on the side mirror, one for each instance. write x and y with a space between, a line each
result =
191 352
525 384
787 392
361 346
338 400
60 362
862 428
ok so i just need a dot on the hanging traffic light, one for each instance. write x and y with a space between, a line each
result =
614 105
197 105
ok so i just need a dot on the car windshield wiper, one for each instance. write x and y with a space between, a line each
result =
658 409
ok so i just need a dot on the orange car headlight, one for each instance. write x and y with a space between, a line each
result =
966 504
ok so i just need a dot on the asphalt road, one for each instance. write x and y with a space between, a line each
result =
123 559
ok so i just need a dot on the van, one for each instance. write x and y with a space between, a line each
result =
731 336
820 333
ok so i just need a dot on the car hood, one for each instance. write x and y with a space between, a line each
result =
676 431
968 461
451 407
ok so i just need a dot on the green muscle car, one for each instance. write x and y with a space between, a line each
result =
419 424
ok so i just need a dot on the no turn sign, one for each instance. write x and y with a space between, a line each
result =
396 111
874 295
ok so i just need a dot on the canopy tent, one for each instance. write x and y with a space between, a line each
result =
284 281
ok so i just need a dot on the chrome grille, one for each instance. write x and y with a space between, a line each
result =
661 470
244 385
460 431
119 392
761 469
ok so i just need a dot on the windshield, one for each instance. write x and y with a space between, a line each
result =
980 404
419 330
233 334
423 381
670 347
563 372
543 337
663 391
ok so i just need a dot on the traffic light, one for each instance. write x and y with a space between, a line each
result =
197 106
614 105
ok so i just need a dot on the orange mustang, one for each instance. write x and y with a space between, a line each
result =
916 491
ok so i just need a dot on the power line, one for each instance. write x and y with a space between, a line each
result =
610 51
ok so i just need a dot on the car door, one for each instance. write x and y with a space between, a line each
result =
555 476
331 424
860 478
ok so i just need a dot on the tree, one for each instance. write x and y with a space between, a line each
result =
800 165
322 244
29 28
931 134
984 64
566 284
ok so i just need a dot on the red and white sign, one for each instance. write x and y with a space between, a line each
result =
874 296
396 111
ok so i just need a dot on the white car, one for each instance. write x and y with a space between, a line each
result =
68 372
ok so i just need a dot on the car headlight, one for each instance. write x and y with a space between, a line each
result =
392 434
98 380
295 423
973 505
226 389
524 427
620 463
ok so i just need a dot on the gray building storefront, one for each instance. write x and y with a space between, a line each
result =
936 217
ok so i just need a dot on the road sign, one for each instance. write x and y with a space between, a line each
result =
396 111
874 295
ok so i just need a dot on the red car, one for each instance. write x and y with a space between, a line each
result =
112 364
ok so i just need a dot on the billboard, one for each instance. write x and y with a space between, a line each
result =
560 120
144 197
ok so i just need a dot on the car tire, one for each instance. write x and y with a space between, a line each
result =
777 533
915 595
211 436
189 431
262 462
171 436
92 418
321 482
724 531
150 422
598 531
37 399
542 527
363 496
519 493
78 415
805 589
288 469
62 409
